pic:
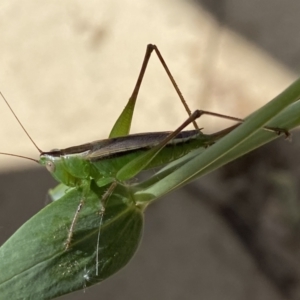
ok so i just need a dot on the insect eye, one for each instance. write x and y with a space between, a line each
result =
50 166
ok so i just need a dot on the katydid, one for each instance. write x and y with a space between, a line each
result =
123 156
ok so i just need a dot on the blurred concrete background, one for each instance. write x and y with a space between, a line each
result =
68 68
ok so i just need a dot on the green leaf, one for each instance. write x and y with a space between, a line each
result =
279 113
35 261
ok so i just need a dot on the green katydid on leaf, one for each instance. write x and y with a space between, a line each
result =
95 225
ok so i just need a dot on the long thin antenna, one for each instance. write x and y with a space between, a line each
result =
21 126
20 156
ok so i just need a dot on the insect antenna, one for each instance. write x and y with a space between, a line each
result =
16 155
20 156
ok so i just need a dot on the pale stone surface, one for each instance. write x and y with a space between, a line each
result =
68 68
